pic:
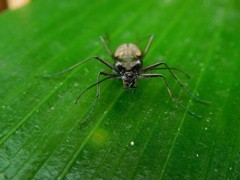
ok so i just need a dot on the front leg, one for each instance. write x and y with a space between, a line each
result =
109 75
170 93
165 81
153 67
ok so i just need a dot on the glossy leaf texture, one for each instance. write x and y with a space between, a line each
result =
132 134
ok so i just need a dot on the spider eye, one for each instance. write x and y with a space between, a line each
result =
119 67
137 66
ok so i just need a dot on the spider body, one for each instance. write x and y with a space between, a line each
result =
127 66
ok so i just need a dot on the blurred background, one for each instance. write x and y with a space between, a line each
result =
12 4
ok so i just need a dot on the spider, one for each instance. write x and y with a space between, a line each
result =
127 66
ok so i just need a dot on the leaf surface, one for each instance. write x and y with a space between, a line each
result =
132 134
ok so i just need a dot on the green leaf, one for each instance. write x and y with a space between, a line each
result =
132 134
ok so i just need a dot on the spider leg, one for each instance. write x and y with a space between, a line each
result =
165 81
103 61
170 93
106 46
171 68
148 45
153 67
109 76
